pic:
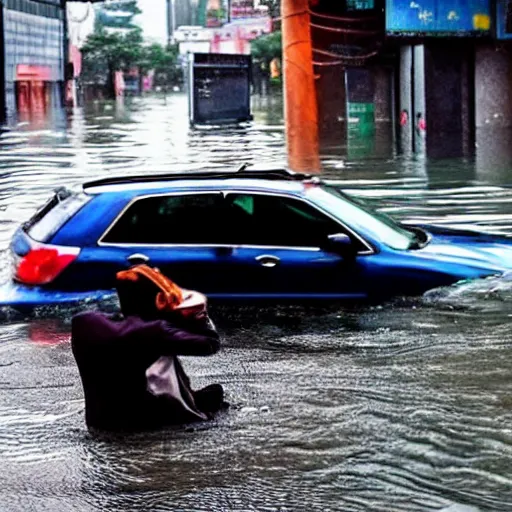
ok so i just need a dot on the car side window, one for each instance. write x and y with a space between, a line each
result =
176 219
268 220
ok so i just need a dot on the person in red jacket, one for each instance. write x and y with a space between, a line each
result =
404 118
128 364
421 124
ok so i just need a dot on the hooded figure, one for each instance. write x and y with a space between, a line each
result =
128 364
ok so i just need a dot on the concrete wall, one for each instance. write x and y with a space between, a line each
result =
448 97
383 94
493 86
405 136
330 87
494 154
419 99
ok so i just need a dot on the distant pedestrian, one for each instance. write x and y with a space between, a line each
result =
421 124
275 68
404 118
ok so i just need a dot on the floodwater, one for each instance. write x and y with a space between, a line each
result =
401 407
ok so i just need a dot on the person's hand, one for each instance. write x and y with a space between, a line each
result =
193 306
195 313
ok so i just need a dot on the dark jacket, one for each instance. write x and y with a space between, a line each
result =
114 354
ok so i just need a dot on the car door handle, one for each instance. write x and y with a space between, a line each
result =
138 258
268 261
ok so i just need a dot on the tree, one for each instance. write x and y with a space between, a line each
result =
164 62
267 47
119 46
106 52
274 7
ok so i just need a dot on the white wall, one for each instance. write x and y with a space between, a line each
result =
195 47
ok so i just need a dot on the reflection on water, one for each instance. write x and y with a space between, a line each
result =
405 406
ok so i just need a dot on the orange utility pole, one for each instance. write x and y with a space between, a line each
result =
301 112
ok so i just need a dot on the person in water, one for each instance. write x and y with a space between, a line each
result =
421 124
128 364
404 118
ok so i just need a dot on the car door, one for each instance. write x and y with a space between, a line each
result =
277 252
181 234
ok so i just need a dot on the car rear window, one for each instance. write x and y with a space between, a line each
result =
52 216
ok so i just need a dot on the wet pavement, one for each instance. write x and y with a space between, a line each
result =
404 406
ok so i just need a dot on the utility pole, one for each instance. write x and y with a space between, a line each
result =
301 111
171 21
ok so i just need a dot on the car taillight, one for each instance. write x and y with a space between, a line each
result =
42 264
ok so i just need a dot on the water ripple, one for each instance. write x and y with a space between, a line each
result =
402 407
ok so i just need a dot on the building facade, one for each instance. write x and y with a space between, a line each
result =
32 35
440 71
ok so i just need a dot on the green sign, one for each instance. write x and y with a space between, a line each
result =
361 130
361 117
360 5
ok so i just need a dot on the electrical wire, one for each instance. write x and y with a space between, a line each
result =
346 30
325 64
347 57
339 18
343 60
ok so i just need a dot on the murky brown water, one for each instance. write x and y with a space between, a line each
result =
406 406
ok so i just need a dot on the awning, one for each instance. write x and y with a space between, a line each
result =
29 73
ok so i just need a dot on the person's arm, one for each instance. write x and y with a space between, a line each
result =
178 340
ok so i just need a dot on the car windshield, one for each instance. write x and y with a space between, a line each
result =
362 218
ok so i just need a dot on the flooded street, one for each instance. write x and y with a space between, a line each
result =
405 406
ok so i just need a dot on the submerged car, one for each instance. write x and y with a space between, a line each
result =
236 235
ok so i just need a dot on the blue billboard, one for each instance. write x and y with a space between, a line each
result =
438 17
504 19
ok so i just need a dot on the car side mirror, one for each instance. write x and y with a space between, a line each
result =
340 243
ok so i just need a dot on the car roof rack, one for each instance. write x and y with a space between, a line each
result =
244 171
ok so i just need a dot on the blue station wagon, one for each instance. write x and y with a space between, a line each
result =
237 235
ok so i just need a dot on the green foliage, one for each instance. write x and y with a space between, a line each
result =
217 15
163 61
105 52
112 50
267 47
108 50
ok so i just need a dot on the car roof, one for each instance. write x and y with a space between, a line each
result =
272 179
184 185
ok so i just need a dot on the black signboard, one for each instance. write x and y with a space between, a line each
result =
219 88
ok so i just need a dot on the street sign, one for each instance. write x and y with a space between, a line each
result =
438 17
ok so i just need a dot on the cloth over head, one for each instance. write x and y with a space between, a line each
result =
146 292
